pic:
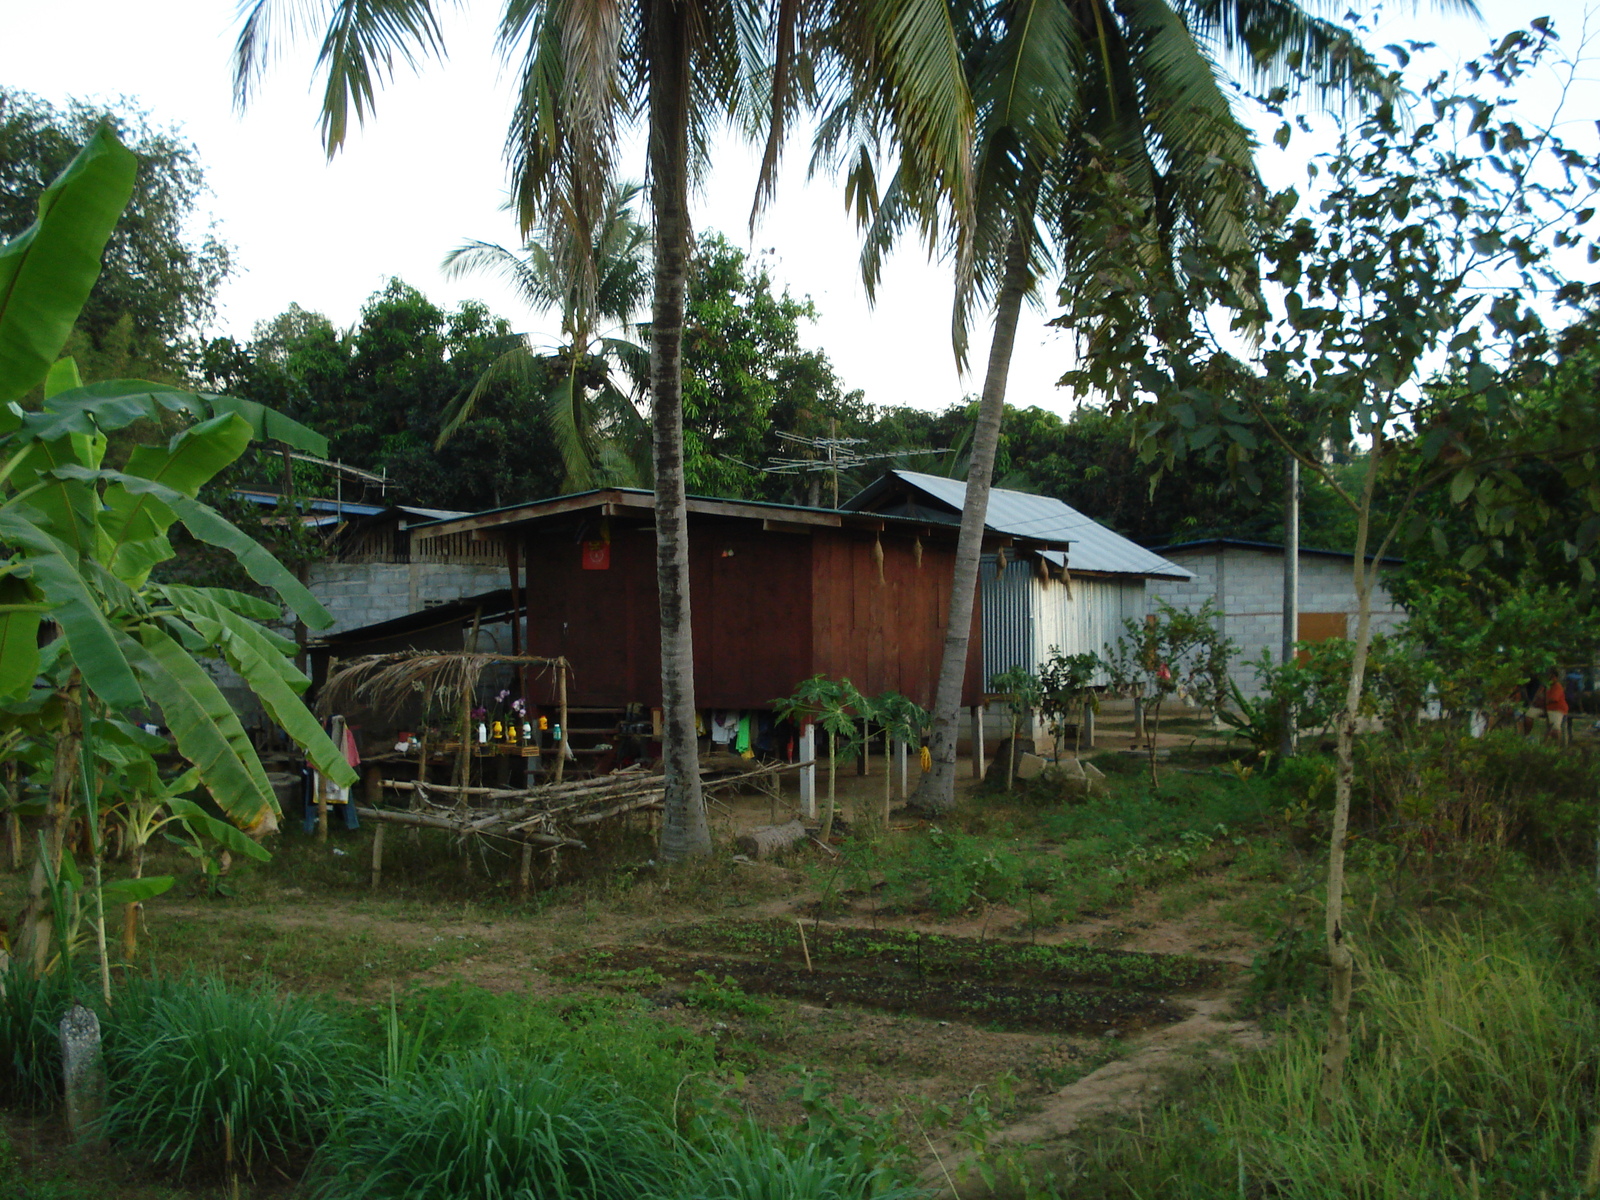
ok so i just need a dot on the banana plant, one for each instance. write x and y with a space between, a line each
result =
81 540
835 706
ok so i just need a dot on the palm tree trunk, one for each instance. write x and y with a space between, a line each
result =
936 792
684 832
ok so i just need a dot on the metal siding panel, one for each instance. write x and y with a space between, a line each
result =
1008 635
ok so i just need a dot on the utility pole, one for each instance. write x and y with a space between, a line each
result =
1291 588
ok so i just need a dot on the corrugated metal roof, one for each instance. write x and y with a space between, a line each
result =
1094 547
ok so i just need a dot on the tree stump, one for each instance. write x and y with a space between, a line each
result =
767 840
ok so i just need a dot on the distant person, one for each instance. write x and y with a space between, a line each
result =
1549 703
1554 702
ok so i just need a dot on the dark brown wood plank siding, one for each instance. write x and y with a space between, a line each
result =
750 598
885 634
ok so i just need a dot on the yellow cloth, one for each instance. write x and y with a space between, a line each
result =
926 758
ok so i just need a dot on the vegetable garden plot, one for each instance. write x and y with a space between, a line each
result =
1063 989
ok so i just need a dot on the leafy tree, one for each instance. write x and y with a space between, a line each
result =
584 72
385 389
1066 691
1416 287
159 283
587 383
1066 94
746 375
81 540
901 719
1175 650
1020 689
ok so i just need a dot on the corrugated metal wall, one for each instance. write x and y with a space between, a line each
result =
1008 630
1024 618
1091 619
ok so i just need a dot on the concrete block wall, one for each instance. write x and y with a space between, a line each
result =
1246 586
358 594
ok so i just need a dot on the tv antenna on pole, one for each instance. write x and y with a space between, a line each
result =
834 454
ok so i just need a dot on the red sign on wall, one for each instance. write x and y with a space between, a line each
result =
597 556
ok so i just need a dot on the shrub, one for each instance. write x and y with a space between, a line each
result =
1460 796
201 1072
482 1127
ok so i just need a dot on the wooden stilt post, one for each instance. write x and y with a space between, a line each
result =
377 854
561 720
977 741
555 866
808 773
901 750
525 875
1086 729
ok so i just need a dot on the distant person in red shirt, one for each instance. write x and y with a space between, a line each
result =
1552 698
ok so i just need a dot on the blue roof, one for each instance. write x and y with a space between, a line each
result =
1020 514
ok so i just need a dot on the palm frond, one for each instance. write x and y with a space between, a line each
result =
519 367
564 418
528 276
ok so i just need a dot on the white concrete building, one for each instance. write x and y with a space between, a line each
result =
1244 581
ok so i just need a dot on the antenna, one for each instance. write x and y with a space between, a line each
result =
837 454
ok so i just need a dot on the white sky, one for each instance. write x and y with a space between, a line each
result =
427 174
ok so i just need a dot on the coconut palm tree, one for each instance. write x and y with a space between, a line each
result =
590 378
586 67
1069 93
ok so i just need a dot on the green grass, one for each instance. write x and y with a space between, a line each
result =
1473 1074
202 1073
485 1126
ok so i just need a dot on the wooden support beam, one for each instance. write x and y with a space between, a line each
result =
377 855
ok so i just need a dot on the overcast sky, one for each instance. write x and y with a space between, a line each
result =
427 174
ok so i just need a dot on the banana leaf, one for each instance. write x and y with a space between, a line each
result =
210 526
117 403
203 824
54 571
136 891
47 271
206 728
259 657
20 612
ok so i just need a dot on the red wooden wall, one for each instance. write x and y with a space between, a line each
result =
886 632
769 610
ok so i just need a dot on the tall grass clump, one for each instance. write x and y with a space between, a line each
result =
1474 1075
205 1074
483 1127
748 1163
665 1069
31 1008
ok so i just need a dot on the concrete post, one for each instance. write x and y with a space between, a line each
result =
83 1071
808 773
